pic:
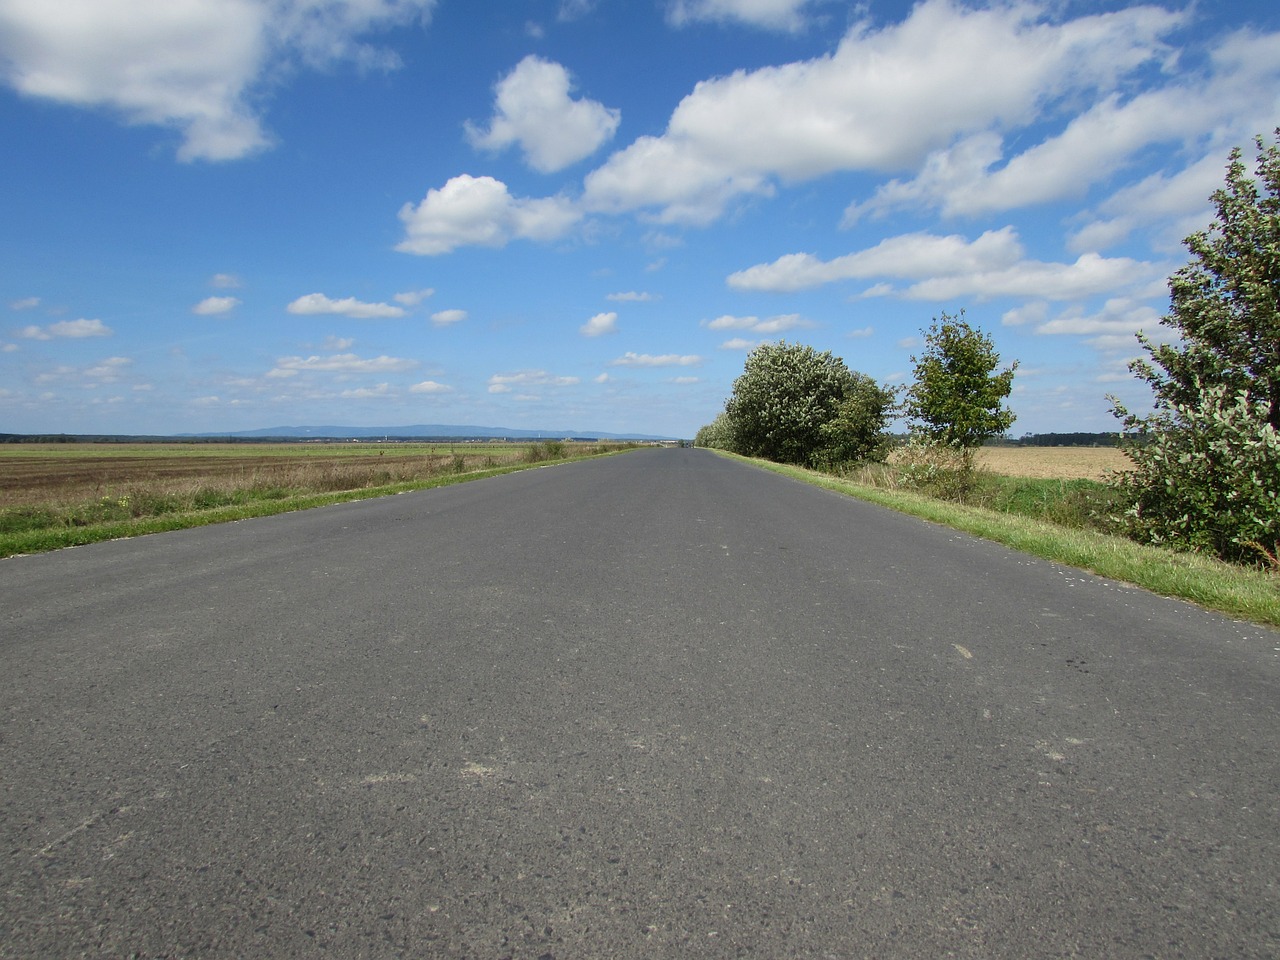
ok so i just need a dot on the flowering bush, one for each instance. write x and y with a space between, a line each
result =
1206 477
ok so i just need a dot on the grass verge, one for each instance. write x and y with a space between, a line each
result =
1239 592
52 532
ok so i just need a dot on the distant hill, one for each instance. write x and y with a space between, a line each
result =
420 431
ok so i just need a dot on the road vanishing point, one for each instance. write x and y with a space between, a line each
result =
662 704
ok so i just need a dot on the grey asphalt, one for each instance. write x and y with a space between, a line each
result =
661 704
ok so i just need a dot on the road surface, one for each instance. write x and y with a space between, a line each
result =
656 705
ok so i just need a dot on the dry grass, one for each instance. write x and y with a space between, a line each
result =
1057 463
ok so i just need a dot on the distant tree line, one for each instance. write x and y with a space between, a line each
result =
1061 440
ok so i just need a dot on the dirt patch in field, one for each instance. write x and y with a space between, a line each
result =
1065 463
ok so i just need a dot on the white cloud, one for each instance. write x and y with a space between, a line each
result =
68 329
630 359
338 344
412 298
1176 205
533 109
26 303
1033 312
195 66
430 386
317 304
1090 275
571 10
739 343
341 363
1115 326
506 382
631 296
861 333
213 306
224 281
912 255
599 325
946 268
767 14
367 393
479 211
955 71
444 318
772 325
108 371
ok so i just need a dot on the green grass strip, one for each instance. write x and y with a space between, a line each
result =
1240 592
56 538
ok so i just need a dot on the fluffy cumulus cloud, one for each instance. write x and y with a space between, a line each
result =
215 306
957 71
947 267
194 66
975 175
765 327
769 14
317 304
1113 327
480 211
534 110
915 255
430 386
67 330
599 325
447 318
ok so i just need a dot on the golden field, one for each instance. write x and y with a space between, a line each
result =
1064 463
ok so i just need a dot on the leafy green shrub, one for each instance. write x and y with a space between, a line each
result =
1208 473
794 404
957 394
1207 478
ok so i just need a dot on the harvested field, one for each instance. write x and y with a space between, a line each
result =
1062 463
26 481
58 475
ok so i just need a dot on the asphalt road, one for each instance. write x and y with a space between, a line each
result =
655 705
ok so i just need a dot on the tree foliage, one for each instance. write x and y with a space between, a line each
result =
794 404
957 395
1207 461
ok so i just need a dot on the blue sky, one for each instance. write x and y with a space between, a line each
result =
582 214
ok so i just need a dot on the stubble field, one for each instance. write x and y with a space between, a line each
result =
54 495
64 474
1054 463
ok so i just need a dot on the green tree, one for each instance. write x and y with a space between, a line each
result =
1225 303
794 404
1207 460
957 396
715 434
856 431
